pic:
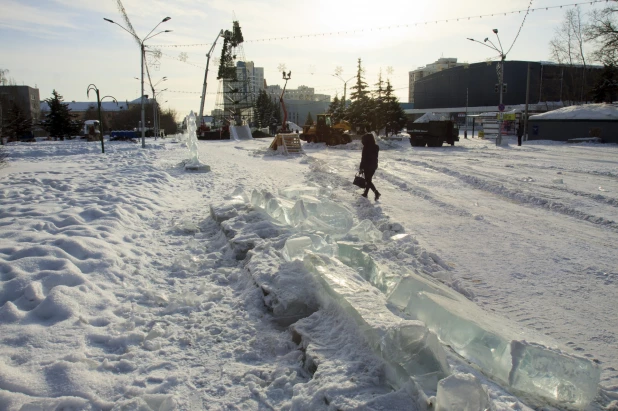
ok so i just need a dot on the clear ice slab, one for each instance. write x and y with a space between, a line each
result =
407 346
295 191
461 392
365 231
498 346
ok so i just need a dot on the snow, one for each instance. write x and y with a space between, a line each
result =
584 112
427 117
127 282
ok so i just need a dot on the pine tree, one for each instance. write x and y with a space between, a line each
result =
263 109
309 120
395 117
379 104
336 110
360 111
60 122
16 124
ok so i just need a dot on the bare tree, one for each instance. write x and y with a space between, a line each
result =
567 45
603 31
3 79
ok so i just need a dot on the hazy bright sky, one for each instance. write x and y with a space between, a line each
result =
66 44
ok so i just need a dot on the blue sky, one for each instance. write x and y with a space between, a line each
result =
66 45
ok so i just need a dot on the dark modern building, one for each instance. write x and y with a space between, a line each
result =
475 85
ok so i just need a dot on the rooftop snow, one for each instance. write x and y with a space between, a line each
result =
586 112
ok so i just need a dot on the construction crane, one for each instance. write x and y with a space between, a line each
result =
206 77
284 126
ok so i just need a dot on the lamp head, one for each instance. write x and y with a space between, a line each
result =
486 38
111 21
166 19
495 31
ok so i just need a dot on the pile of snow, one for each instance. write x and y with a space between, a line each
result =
427 117
293 127
585 112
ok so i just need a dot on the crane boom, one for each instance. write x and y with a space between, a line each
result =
206 76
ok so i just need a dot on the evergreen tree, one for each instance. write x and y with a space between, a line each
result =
60 122
336 110
309 120
606 88
395 116
263 109
359 112
16 124
379 104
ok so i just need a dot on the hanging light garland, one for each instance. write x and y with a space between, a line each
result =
398 26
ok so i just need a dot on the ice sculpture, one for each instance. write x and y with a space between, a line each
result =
461 392
194 163
496 345
365 231
407 346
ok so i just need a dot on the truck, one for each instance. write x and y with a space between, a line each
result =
433 133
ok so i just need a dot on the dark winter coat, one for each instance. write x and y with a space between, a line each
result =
369 159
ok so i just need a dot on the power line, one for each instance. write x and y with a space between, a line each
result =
397 26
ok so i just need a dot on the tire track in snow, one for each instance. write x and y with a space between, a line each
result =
524 198
391 176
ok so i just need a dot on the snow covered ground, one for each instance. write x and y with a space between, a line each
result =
128 283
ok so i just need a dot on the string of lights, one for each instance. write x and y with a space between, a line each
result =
521 26
397 26
214 92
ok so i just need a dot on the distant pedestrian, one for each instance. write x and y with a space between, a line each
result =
465 133
369 163
520 132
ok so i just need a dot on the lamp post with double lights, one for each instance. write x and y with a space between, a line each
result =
99 99
501 75
345 86
142 52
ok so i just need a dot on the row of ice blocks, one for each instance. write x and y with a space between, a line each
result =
503 350
302 209
411 350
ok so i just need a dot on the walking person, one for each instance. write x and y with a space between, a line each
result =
520 132
369 163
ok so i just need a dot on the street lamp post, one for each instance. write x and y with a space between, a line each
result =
155 114
345 85
93 87
501 79
154 104
142 52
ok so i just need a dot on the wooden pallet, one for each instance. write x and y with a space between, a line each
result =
288 143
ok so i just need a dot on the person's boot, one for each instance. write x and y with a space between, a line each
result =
365 194
378 195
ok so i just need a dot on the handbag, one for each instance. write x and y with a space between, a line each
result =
359 180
